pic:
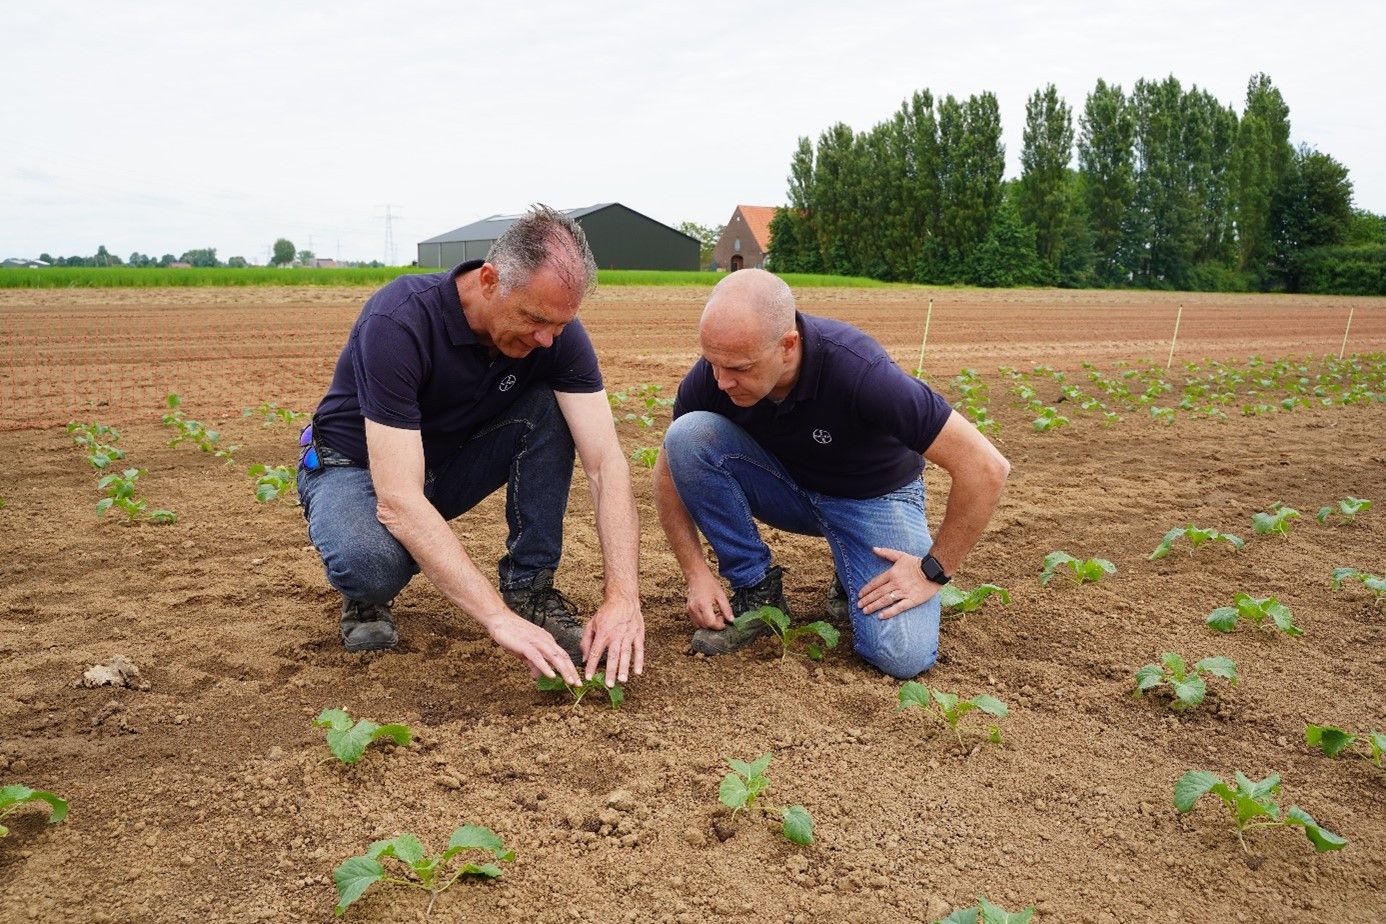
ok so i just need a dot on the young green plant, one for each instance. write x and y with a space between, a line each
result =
986 913
645 455
954 598
1187 686
1093 569
950 708
1196 538
1261 612
1252 806
1276 521
556 684
14 796
741 789
348 741
272 481
1332 741
1377 585
121 494
430 873
1349 507
779 624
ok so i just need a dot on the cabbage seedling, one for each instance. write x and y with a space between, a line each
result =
89 436
121 495
356 875
1049 419
953 597
1255 609
270 482
1349 507
747 783
1333 740
1186 683
950 709
1277 521
1196 538
348 741
645 455
987 913
779 624
1252 806
273 413
1377 585
12 797
1091 570
556 684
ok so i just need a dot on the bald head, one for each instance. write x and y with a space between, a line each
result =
750 308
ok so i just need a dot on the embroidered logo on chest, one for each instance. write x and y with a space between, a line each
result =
507 383
822 437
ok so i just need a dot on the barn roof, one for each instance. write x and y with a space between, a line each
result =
488 229
758 222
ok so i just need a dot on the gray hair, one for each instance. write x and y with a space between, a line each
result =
544 236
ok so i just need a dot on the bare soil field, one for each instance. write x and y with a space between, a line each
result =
206 797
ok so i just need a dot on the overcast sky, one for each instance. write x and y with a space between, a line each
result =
161 127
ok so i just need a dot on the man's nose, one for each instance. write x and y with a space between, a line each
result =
543 337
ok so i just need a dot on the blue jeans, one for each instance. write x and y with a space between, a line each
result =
727 482
528 449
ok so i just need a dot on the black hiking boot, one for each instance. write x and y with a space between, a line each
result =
769 592
839 609
544 605
368 626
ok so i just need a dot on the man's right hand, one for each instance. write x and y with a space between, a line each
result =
708 606
532 645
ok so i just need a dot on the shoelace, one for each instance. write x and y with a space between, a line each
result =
550 603
368 612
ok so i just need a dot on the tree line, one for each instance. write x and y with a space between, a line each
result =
1171 190
282 254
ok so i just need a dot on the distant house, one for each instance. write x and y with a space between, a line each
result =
22 263
179 264
620 238
323 263
745 241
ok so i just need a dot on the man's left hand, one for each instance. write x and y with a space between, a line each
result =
617 630
900 587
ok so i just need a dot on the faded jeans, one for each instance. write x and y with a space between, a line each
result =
727 482
528 450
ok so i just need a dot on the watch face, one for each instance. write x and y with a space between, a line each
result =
932 569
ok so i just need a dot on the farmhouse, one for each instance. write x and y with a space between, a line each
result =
745 241
620 237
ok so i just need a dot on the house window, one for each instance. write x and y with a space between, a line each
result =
737 245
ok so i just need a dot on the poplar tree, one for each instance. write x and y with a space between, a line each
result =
1043 194
1105 158
1262 158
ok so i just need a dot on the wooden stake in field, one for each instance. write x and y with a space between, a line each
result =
1345 331
1175 339
928 316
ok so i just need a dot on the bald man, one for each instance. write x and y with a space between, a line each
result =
806 424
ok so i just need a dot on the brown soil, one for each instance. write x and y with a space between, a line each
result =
206 798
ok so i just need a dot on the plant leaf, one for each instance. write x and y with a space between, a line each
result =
1176 664
826 632
1148 677
353 878
1322 839
1218 666
1193 786
913 693
489 870
798 825
1223 619
477 837
333 718
14 795
1166 544
1377 742
990 705
733 792
554 684
1330 739
760 765
961 916
1190 691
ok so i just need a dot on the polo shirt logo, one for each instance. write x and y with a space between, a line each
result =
822 436
507 383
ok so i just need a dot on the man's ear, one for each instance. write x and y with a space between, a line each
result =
489 279
790 340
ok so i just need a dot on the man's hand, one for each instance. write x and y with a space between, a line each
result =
532 645
900 587
708 606
617 630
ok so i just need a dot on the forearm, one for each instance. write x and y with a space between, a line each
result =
618 528
971 501
423 532
678 525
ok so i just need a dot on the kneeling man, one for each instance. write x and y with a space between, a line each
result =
451 386
808 425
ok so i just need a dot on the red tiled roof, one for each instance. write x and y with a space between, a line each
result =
758 221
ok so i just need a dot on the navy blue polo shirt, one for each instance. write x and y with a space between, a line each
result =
413 362
854 425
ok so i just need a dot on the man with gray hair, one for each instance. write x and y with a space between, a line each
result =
450 386
807 424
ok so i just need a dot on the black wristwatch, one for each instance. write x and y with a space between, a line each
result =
933 570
